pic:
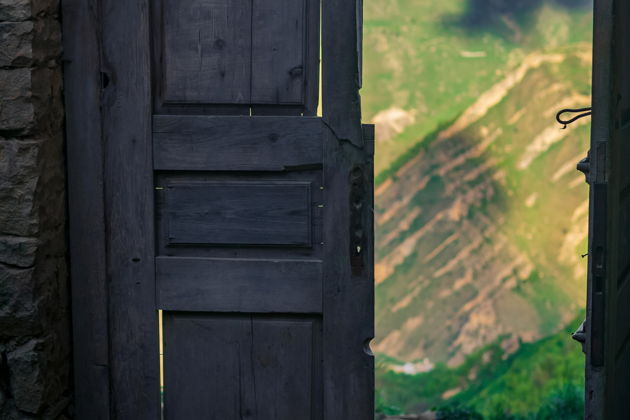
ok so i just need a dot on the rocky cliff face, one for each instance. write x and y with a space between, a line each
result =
479 233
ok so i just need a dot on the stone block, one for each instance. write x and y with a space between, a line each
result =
19 176
18 251
15 10
16 108
39 375
20 10
34 306
30 43
19 310
16 39
27 365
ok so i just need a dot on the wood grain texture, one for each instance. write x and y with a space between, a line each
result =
239 364
84 154
622 227
204 361
128 193
622 326
239 367
285 367
618 398
600 133
239 285
271 110
614 265
278 43
222 52
348 303
239 213
608 363
312 60
207 51
236 143
341 78
301 177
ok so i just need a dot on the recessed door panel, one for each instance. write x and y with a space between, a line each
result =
236 52
239 213
206 51
241 367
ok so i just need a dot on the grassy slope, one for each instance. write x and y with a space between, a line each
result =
492 382
413 59
490 247
530 285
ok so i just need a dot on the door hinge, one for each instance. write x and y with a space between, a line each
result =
580 335
584 166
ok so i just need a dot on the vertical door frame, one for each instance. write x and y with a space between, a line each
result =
86 210
596 345
126 107
348 303
110 188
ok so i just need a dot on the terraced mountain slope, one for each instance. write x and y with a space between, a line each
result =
426 61
481 231
480 215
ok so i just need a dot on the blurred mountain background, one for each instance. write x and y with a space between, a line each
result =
481 217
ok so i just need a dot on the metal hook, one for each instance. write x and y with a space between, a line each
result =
585 112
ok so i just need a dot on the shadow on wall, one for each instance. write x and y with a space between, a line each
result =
487 14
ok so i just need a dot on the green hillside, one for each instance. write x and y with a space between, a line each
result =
490 382
481 217
419 59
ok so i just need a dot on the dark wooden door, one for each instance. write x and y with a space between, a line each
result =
204 185
608 322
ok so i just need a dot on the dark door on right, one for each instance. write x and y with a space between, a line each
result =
608 322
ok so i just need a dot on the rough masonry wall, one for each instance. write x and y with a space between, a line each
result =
34 303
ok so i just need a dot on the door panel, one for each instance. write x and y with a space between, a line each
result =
241 243
239 213
278 37
235 52
242 367
235 232
206 53
239 285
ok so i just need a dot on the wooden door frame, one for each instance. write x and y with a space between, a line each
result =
347 286
107 58
86 208
600 133
108 145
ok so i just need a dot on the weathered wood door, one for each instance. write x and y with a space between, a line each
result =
608 323
203 185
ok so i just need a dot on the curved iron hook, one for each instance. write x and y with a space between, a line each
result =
585 112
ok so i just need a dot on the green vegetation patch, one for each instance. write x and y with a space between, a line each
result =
539 380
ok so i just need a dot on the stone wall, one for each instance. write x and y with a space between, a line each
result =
34 296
